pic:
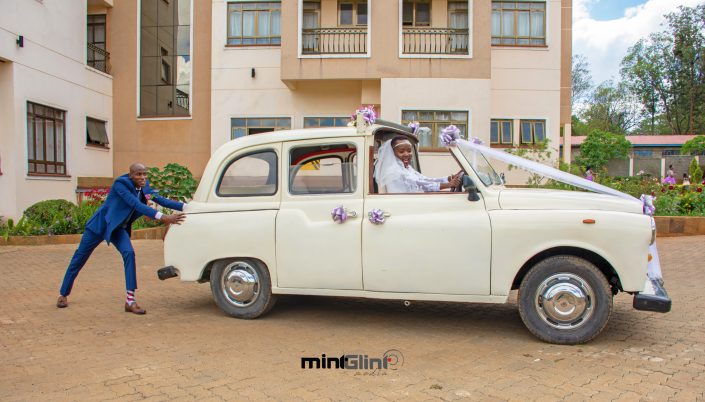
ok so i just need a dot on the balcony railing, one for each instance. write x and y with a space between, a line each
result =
435 40
182 99
334 41
98 58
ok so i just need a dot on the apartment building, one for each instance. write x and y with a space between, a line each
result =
56 100
91 86
498 70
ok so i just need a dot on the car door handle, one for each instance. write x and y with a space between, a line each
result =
377 216
340 214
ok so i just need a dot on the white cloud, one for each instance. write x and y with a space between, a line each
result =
605 43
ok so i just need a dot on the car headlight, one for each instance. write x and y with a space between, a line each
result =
653 230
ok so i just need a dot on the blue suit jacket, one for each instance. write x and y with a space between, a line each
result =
122 203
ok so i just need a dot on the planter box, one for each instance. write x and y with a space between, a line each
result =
139 234
668 226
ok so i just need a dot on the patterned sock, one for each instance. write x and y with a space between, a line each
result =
130 299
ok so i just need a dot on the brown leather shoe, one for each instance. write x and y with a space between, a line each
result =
134 309
62 302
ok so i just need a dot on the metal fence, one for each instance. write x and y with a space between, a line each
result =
435 40
334 41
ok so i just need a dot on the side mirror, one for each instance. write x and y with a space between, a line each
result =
469 186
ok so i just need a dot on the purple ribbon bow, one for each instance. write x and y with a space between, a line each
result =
648 201
414 125
376 216
449 135
368 113
339 215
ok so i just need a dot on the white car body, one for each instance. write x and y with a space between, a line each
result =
439 247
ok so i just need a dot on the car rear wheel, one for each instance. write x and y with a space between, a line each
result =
242 288
565 300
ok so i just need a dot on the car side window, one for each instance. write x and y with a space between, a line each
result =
323 169
254 174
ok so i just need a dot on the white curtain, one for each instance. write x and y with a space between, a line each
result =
276 23
496 23
537 29
236 24
248 23
523 23
508 24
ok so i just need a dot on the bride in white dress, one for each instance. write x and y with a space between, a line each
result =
394 173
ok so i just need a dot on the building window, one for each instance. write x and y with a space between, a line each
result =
501 132
670 152
250 175
532 131
165 58
240 127
46 140
352 13
644 153
416 13
96 134
313 122
96 55
254 23
436 121
519 23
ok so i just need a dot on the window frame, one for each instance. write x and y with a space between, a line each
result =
414 23
90 27
241 156
355 15
247 127
500 141
533 131
515 20
319 118
93 144
257 10
434 134
33 144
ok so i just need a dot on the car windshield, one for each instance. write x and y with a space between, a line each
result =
482 167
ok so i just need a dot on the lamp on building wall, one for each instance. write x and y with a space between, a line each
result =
20 41
253 73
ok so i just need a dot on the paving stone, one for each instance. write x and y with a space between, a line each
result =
185 348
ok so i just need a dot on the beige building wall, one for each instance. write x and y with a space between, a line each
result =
527 83
159 141
50 69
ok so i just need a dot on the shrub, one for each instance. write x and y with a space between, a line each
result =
696 174
175 182
45 213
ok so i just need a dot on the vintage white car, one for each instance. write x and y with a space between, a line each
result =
298 212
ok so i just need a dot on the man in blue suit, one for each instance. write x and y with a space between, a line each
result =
112 222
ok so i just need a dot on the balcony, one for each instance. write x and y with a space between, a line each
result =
333 41
98 58
435 41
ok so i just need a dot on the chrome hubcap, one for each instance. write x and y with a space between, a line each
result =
564 301
240 284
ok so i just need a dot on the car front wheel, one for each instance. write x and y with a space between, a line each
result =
565 300
242 288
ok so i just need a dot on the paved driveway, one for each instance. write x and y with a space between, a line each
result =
185 348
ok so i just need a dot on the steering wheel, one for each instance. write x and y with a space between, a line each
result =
459 188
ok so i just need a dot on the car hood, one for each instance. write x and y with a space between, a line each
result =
522 198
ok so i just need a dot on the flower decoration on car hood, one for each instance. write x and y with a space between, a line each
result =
368 114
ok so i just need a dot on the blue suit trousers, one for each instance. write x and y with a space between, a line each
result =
89 241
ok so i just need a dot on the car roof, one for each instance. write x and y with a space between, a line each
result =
313 133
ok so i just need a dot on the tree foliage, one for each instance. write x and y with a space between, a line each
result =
696 145
174 181
600 147
696 174
582 79
666 71
612 108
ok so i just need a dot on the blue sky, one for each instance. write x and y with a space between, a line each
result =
603 30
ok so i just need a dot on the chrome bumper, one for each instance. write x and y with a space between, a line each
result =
653 298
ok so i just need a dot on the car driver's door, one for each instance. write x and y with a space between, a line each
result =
427 243
313 250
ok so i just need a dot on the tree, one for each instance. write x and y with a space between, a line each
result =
666 71
611 109
582 79
600 147
696 145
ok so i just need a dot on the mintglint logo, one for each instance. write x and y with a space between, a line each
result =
390 360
